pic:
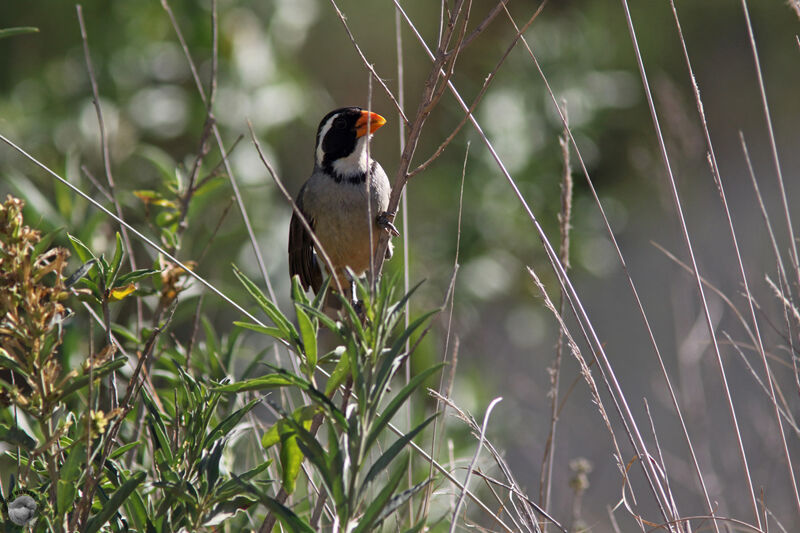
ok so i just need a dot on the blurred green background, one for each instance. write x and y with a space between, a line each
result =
283 64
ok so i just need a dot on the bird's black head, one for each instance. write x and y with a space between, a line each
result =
339 132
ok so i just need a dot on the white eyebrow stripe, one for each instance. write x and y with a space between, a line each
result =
323 131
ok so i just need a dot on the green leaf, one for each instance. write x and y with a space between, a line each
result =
46 240
116 261
316 454
11 364
267 306
298 294
380 423
134 276
16 437
390 359
230 421
66 496
300 415
83 251
326 321
123 332
266 330
137 511
293 523
370 517
290 455
397 501
386 458
233 486
158 428
117 499
309 335
339 375
80 273
20 30
319 299
71 469
122 450
211 466
270 381
76 384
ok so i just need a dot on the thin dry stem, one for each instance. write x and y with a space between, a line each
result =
774 147
106 152
624 266
218 136
718 178
317 244
564 226
695 269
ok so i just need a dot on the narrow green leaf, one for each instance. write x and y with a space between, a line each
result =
46 240
16 437
233 486
137 511
276 333
211 466
117 499
370 516
134 276
230 421
122 332
290 455
71 469
298 294
326 321
158 428
80 273
389 411
66 496
316 454
267 306
119 252
270 381
397 501
20 30
319 299
339 375
293 523
419 526
388 456
76 384
309 335
390 361
122 450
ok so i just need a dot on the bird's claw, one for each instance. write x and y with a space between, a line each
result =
384 220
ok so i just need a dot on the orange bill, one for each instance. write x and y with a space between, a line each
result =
373 120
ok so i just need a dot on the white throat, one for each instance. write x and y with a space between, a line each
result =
356 163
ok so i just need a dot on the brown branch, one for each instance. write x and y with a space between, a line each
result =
84 506
369 65
105 151
477 100
218 136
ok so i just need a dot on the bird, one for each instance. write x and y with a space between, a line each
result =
333 201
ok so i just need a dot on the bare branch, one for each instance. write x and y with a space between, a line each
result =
367 64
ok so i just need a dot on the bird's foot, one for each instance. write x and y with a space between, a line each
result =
385 221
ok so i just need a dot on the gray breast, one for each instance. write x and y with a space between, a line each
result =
341 215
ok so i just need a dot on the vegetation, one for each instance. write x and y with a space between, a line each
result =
159 371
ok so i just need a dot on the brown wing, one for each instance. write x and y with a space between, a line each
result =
302 260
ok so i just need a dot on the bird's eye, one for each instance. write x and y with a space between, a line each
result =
340 123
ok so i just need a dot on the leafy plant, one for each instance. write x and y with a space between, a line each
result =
370 352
